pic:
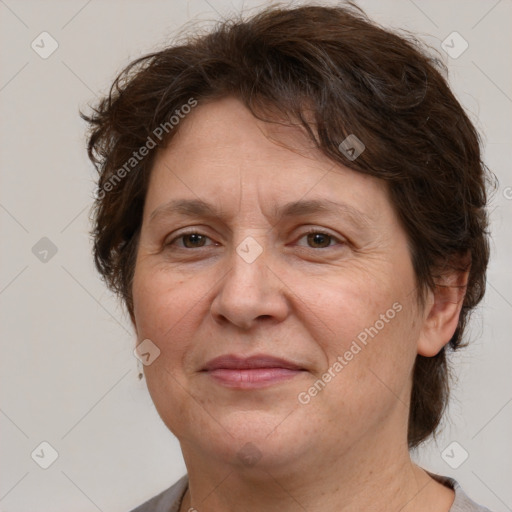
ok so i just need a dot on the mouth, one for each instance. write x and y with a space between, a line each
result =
251 372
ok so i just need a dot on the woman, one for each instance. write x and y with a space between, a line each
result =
292 208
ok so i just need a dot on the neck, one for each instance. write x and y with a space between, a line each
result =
369 477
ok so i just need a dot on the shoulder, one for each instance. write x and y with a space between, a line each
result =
168 500
462 502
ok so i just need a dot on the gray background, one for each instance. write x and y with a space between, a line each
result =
68 373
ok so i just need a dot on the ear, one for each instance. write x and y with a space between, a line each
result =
441 314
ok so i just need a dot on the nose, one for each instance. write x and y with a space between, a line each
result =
251 293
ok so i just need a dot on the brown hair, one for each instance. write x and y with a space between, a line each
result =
356 78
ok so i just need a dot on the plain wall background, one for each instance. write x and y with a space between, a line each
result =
68 373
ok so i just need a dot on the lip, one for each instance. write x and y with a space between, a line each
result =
251 372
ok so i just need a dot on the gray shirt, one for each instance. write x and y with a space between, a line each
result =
170 499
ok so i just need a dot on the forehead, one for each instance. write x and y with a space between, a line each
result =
221 152
224 124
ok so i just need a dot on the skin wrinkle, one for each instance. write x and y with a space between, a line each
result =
353 435
311 78
337 73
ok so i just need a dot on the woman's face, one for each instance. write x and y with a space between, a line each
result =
244 278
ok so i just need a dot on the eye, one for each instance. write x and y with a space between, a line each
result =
191 240
319 239
315 239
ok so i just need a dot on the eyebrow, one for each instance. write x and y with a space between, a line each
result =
200 208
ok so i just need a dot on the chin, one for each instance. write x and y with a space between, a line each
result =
259 440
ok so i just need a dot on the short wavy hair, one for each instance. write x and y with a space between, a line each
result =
337 73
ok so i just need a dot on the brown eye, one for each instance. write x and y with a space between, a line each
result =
319 240
192 240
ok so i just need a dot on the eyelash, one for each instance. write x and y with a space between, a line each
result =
306 233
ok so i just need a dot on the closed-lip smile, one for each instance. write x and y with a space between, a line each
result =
250 372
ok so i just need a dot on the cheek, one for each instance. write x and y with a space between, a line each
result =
346 307
172 310
163 311
160 301
365 327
